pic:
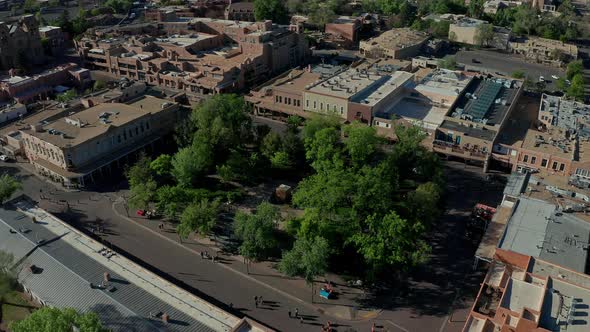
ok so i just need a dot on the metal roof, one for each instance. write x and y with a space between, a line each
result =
67 272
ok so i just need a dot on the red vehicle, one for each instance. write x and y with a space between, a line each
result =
141 212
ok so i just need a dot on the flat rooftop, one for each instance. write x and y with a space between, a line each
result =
67 262
554 142
423 114
349 83
375 93
444 82
116 114
568 115
468 22
486 101
399 38
538 229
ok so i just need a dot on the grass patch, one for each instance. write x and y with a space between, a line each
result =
14 308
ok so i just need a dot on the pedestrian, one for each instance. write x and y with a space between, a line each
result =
289 313
256 301
300 319
260 300
231 305
201 254
373 328
296 312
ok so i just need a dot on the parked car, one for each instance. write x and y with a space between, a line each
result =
541 79
4 157
555 77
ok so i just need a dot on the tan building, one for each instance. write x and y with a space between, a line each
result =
75 148
240 11
471 127
357 93
200 56
394 44
466 31
20 43
545 51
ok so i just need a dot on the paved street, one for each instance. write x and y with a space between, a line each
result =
422 304
506 64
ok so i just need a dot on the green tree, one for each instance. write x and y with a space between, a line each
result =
392 241
407 14
48 319
191 163
271 144
295 6
273 10
119 6
576 89
561 84
448 62
256 231
31 6
66 96
141 184
171 200
518 74
475 8
361 143
525 20
484 35
308 259
8 186
198 216
574 68
320 13
99 85
162 166
281 160
7 279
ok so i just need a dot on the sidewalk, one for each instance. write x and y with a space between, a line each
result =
344 307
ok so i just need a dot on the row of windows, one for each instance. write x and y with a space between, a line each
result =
544 162
287 101
48 153
315 107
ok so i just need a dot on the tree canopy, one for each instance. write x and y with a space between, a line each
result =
200 217
8 186
273 10
256 231
308 258
48 319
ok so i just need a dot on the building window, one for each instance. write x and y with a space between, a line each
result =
315 105
118 138
526 158
136 130
130 133
533 160
554 165
125 135
321 106
544 163
341 109
307 103
327 107
147 126
562 167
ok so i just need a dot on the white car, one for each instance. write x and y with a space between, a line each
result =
555 77
4 158
541 79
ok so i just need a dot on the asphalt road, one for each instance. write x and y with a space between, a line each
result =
506 64
422 303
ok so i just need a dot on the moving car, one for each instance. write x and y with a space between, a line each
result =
555 77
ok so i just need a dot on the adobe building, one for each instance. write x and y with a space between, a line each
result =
545 51
72 149
394 44
345 28
199 56
240 11
466 31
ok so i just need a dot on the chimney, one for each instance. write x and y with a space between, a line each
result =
165 318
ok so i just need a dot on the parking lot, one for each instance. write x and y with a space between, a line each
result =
505 64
